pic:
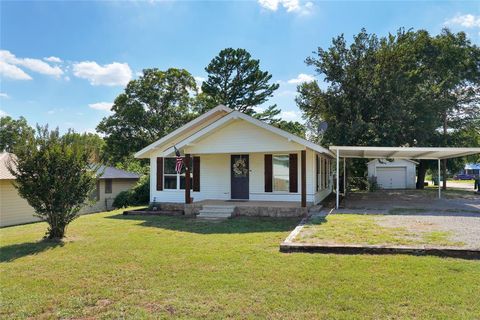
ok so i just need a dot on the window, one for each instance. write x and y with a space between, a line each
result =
281 172
108 185
171 179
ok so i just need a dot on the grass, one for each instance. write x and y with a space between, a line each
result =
365 229
129 267
470 182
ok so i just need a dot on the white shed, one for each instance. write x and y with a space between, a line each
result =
396 174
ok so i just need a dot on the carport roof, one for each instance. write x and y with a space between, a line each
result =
402 152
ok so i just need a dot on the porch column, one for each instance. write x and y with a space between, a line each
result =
439 187
337 204
304 178
188 199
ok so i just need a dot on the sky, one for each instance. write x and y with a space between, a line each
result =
63 63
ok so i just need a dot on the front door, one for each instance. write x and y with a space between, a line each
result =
239 173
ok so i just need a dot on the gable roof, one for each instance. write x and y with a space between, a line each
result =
208 116
232 115
377 160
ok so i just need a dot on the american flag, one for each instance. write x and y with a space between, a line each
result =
179 161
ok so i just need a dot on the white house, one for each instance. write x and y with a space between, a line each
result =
396 174
232 156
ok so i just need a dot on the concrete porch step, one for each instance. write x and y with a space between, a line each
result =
213 212
212 207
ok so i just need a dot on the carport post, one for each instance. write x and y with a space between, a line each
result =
338 179
439 188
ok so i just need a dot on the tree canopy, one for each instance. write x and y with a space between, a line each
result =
13 132
400 90
236 81
150 107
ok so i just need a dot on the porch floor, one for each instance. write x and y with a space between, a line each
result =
251 203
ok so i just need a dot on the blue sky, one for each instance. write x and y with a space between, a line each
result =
63 63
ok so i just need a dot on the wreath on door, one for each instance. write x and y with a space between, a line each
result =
240 167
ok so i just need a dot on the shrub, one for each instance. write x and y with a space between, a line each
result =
138 195
55 177
372 184
123 199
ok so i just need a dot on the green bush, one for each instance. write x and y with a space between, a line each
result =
138 195
141 191
123 199
373 184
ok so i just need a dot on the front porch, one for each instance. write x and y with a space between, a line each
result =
248 208
252 208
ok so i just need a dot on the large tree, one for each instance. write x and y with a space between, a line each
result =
55 176
92 143
236 81
13 132
393 91
151 106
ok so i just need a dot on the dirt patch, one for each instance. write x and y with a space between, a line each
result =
462 229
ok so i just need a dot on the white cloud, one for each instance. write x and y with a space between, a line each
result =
289 5
105 106
113 74
35 65
302 77
13 72
464 20
4 95
53 59
3 113
291 115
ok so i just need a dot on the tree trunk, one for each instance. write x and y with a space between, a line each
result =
56 232
422 170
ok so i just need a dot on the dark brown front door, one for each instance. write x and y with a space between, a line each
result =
239 173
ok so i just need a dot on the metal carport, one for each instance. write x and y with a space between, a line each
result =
397 153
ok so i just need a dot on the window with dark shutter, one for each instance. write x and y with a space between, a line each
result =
293 172
196 173
268 173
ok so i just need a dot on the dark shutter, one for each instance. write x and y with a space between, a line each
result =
293 168
196 173
159 174
268 173
317 171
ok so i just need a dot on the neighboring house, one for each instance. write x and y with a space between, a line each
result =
396 174
16 210
13 208
111 181
233 156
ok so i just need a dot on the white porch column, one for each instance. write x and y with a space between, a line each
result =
338 179
439 187
344 177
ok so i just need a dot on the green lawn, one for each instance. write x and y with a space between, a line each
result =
117 267
364 229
